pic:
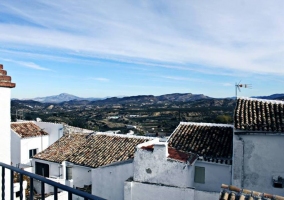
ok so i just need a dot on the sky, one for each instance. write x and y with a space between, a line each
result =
98 48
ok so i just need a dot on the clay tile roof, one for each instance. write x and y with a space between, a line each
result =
27 129
92 150
212 142
5 81
176 154
62 148
259 115
234 193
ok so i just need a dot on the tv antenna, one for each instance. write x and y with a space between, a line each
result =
240 85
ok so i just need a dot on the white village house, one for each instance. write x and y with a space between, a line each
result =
83 161
258 160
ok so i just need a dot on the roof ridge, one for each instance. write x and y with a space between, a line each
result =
207 124
262 100
123 136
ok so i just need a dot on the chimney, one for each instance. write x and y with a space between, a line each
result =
5 123
161 150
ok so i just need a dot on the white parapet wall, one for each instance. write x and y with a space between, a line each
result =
5 142
140 191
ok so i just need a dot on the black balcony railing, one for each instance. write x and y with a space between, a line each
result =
43 181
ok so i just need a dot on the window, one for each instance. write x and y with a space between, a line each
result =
42 169
68 173
33 152
278 182
199 175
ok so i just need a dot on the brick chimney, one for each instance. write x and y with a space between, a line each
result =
5 121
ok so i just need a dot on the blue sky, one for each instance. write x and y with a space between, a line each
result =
95 48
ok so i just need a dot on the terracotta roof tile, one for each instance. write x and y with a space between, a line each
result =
229 192
27 129
259 115
214 142
5 81
62 148
92 150
176 154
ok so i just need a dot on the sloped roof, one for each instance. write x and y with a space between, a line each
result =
5 81
27 129
214 142
63 148
235 193
92 150
259 115
176 154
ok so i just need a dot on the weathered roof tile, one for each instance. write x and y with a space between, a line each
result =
27 129
259 115
91 150
229 192
214 142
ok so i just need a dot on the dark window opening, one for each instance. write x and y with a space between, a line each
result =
42 169
32 152
278 182
18 194
68 173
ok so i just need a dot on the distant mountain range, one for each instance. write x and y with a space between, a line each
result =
61 98
64 97
271 97
178 97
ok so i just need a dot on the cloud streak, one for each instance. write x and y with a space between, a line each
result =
232 36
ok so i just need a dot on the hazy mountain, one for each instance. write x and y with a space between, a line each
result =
176 97
61 98
271 97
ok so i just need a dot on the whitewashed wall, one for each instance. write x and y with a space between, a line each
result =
81 176
5 141
262 158
55 131
155 167
38 143
15 148
215 175
141 191
108 182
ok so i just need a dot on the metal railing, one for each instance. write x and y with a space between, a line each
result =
43 181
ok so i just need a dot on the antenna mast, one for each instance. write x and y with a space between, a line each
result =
239 85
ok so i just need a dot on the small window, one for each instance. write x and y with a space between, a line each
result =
68 173
278 182
42 169
199 176
32 152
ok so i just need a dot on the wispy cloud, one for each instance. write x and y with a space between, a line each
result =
27 64
100 79
214 34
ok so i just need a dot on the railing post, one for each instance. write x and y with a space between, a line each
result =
21 186
12 185
3 183
31 188
42 190
55 193
69 195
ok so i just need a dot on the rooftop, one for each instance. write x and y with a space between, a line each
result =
213 142
27 129
91 150
259 115
235 193
5 81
